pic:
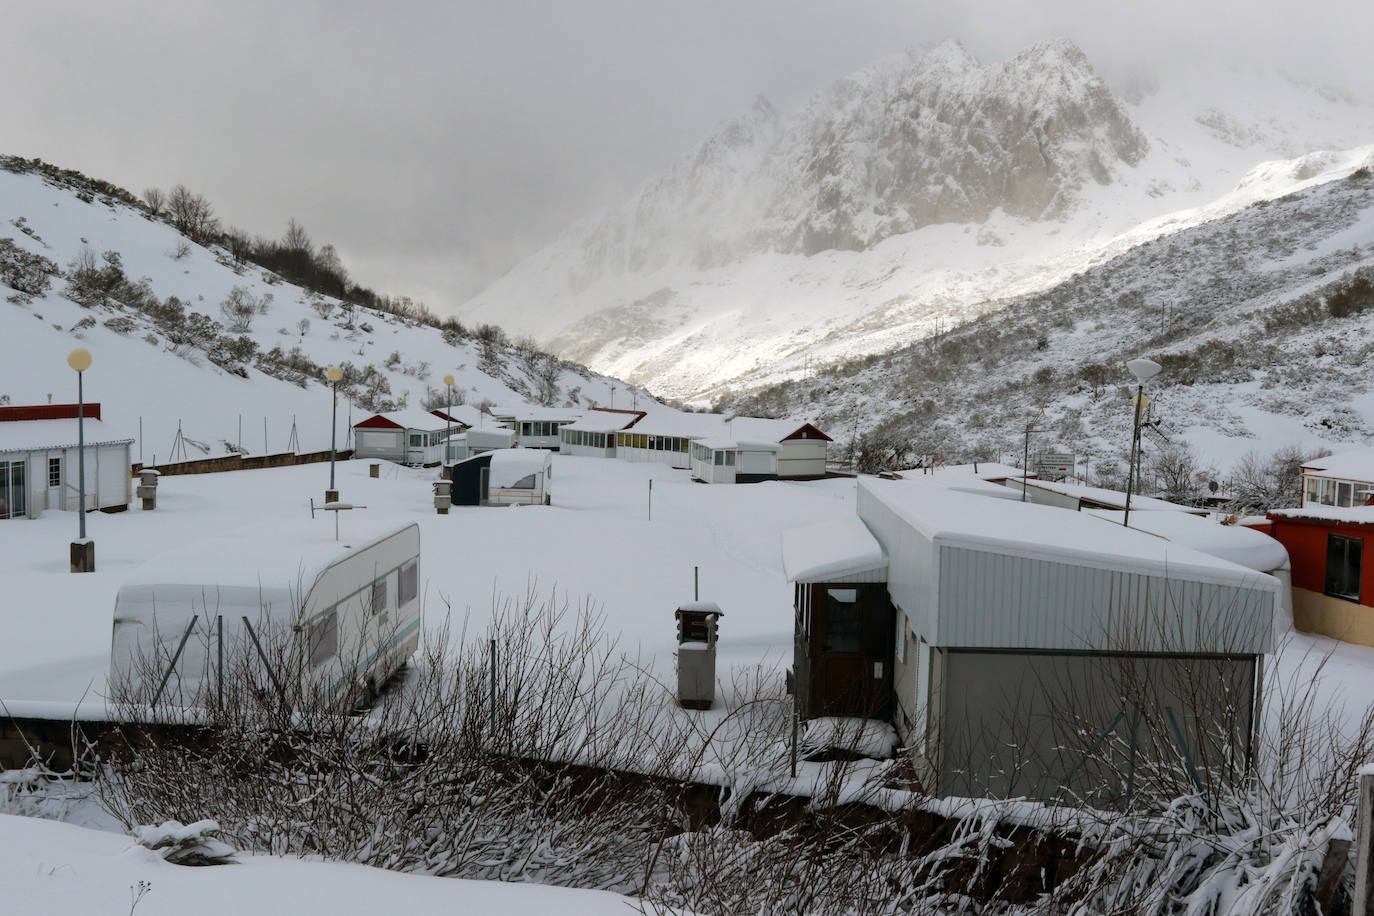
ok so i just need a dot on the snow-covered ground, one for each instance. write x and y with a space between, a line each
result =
56 868
595 542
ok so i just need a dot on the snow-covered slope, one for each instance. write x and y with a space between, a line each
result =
1263 320
910 196
152 368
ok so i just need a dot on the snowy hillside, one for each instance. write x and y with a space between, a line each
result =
911 196
1263 321
167 352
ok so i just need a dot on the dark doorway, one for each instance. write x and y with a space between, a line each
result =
847 632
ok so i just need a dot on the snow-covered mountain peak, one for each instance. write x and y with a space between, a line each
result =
912 194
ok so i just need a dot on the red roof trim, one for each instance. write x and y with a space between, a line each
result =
637 414
48 412
377 422
806 431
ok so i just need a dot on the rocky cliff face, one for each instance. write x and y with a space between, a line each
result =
912 141
916 194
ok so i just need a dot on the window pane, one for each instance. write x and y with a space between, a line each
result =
54 472
1343 494
524 483
408 585
323 639
1343 566
843 621
379 596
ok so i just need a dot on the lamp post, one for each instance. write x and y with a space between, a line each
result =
83 550
1143 370
333 373
448 404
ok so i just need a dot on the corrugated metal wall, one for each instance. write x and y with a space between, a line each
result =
993 600
910 574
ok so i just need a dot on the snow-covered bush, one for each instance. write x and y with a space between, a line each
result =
23 271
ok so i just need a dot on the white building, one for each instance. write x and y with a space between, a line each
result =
1002 639
39 461
411 436
721 460
1343 480
665 437
593 436
536 427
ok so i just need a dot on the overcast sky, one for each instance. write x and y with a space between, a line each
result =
435 142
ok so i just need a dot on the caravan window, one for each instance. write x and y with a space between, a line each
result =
524 483
379 596
323 639
409 585
416 440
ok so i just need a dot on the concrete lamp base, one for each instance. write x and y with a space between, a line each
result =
83 556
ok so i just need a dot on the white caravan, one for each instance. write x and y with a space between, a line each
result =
329 620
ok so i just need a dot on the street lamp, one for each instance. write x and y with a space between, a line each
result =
448 404
1143 370
333 373
83 550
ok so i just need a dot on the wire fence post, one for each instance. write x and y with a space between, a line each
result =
219 644
492 692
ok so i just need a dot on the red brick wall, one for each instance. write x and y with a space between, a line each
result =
48 412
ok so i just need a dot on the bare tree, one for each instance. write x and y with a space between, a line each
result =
1178 474
156 200
192 214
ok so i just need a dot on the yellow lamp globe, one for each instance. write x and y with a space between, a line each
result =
80 360
333 373
448 380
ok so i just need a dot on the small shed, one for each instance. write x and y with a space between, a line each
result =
802 446
1333 588
725 460
503 477
39 461
1023 633
414 437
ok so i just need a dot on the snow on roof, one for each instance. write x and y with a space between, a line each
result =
817 553
532 412
982 470
604 421
409 418
33 435
704 607
665 421
1353 465
280 556
510 464
1352 515
466 414
1110 498
1243 546
1048 533
725 442
491 435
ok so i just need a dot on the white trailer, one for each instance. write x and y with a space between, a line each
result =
323 620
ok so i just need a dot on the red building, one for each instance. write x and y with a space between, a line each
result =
1333 588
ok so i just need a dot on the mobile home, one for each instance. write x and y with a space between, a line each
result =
503 477
321 620
39 461
414 437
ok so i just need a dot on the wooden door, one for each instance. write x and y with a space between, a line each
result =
851 651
